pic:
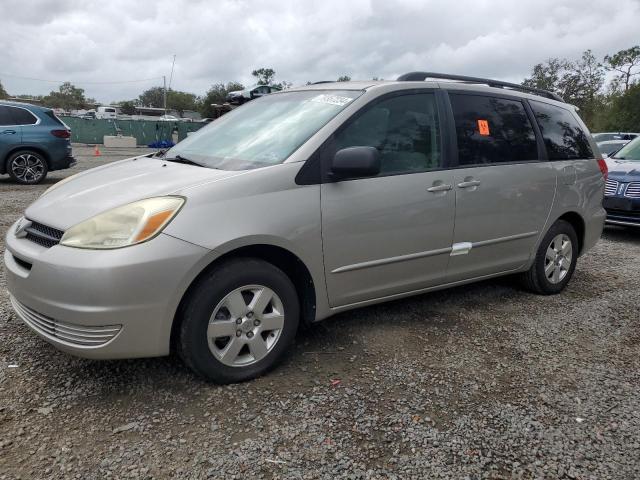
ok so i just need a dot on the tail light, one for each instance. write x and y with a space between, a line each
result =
603 168
61 133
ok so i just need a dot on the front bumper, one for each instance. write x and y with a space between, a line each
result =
101 304
622 211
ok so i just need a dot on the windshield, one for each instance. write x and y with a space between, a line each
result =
263 132
609 148
630 152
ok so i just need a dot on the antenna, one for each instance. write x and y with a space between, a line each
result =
172 65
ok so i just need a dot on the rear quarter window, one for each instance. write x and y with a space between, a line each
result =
492 130
563 136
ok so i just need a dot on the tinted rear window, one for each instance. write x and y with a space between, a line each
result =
563 136
492 130
22 116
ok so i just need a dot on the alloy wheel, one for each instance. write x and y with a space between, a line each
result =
245 326
28 168
558 258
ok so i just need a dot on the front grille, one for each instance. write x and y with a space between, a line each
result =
610 187
68 333
633 190
43 235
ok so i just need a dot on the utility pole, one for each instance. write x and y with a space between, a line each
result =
164 96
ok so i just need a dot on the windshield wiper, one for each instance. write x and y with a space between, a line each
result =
181 159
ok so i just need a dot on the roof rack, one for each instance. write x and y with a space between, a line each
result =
421 76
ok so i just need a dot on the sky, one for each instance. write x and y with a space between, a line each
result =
95 44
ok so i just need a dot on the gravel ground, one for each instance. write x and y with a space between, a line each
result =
481 381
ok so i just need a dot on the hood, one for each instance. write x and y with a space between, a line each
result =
622 170
103 188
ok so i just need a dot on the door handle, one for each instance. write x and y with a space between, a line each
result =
9 132
469 184
439 188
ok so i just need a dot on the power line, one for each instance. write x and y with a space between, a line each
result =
2 74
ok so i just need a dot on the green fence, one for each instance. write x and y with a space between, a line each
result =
145 131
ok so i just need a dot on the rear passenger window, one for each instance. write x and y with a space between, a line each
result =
492 130
5 117
22 116
404 129
563 136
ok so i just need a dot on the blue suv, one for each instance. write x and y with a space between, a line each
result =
33 142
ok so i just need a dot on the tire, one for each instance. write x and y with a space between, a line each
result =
546 276
27 167
224 351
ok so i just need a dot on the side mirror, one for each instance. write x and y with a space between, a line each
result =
355 162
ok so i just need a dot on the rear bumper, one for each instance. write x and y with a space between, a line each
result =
67 161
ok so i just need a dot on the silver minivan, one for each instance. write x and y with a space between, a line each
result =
302 204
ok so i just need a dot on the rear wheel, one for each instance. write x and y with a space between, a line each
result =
27 167
555 260
238 321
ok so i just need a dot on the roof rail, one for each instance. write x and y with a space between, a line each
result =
421 76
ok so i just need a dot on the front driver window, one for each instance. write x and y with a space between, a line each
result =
404 129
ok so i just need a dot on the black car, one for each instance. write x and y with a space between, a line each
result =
622 191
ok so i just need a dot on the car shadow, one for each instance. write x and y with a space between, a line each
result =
622 234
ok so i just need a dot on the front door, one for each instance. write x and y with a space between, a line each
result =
504 191
392 233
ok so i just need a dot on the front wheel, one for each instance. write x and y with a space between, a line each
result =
555 260
27 167
238 321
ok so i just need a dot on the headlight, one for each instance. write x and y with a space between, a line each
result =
123 226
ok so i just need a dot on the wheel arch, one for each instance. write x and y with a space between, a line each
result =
280 257
578 224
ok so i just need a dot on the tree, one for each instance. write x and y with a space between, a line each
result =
176 100
264 76
217 94
344 78
547 76
624 111
625 63
68 97
128 107
153 97
578 83
3 92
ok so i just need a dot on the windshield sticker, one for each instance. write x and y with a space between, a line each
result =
332 100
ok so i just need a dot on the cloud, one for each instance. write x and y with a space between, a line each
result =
90 41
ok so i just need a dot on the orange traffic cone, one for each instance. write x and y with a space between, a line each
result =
96 152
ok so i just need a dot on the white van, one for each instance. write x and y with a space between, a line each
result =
106 112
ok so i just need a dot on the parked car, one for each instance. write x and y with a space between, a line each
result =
622 191
303 204
611 146
33 142
168 118
239 97
106 112
605 136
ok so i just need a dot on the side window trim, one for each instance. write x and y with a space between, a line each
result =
451 127
10 107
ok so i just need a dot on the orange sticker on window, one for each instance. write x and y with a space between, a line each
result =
483 127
